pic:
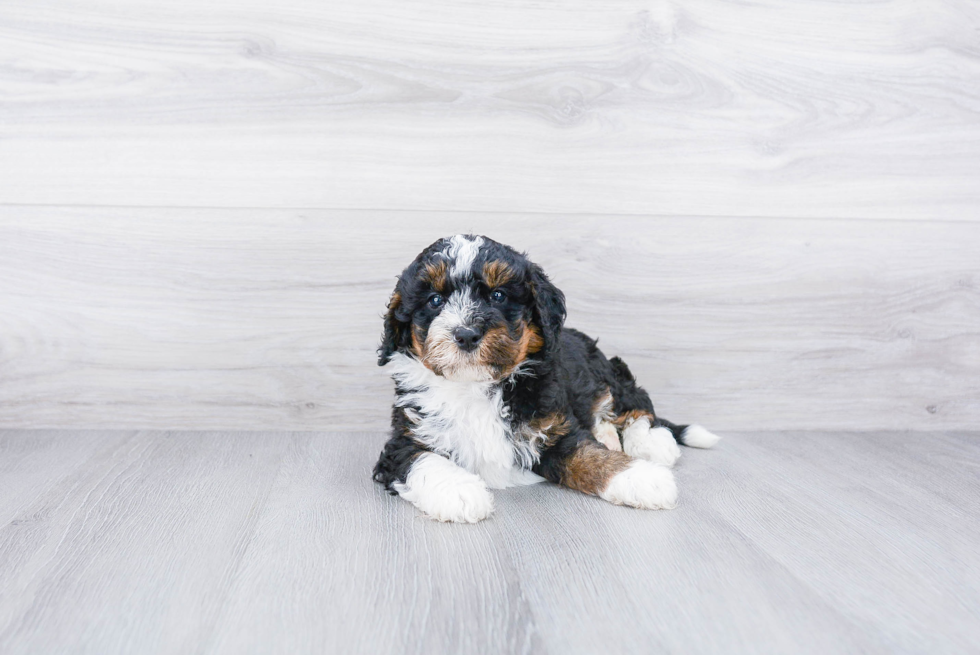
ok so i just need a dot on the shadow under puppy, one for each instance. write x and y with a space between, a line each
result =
492 391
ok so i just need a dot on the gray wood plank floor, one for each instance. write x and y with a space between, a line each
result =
232 542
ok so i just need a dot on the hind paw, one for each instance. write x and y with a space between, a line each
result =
653 444
642 485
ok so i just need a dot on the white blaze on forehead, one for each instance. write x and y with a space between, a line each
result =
462 252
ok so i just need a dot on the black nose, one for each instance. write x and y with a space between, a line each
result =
467 338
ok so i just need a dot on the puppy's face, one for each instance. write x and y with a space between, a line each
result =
470 308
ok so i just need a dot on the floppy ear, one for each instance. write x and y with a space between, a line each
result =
397 330
549 308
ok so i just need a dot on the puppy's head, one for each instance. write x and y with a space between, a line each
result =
470 308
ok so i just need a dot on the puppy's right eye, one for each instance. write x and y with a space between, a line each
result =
435 302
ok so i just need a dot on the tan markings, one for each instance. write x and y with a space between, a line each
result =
535 340
435 275
529 337
500 351
542 432
553 427
498 348
418 342
591 466
627 419
497 273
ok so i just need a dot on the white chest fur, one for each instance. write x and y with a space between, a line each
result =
465 421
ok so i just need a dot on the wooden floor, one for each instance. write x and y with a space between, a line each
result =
211 542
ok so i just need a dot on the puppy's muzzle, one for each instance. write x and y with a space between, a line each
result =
468 338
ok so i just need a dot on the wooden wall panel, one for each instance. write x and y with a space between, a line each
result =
702 107
262 319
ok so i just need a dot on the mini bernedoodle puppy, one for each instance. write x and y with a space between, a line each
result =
492 392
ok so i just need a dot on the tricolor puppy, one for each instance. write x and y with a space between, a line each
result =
491 392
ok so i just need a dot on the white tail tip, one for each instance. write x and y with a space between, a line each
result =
697 437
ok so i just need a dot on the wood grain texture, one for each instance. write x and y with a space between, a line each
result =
813 108
205 542
269 319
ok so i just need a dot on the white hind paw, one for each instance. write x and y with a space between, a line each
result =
644 485
654 444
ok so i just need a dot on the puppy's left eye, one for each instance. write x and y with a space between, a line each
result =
498 296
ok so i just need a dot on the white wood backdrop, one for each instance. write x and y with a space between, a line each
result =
810 108
771 209
250 318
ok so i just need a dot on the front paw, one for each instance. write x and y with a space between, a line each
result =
466 502
644 485
446 492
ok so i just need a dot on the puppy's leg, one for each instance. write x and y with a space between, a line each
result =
634 417
643 440
633 402
591 468
445 491
437 486
606 434
603 429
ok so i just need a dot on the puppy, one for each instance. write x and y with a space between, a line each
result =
491 391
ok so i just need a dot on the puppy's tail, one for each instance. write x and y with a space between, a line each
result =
694 436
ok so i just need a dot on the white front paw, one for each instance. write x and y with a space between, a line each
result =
446 492
644 485
654 444
467 502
